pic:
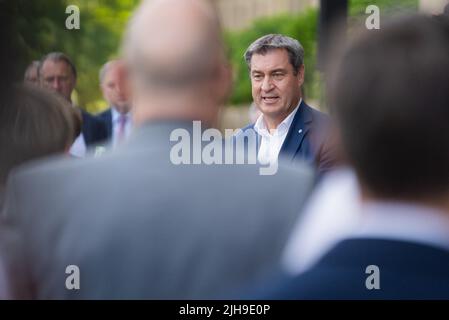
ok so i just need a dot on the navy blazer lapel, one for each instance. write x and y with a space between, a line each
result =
298 130
109 122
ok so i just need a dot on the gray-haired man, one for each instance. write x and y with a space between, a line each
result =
288 127
57 73
117 117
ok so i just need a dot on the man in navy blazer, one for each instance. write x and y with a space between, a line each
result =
397 139
57 72
288 127
117 117
94 131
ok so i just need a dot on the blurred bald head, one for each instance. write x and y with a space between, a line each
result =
174 49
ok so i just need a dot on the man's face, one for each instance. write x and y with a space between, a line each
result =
114 88
275 87
58 76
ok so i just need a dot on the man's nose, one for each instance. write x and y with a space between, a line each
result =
56 84
267 85
119 90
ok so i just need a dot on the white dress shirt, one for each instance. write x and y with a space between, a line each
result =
78 148
271 142
404 221
116 126
330 215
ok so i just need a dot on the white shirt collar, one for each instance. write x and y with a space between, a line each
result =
261 127
404 221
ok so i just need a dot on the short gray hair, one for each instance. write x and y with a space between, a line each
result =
57 56
277 41
104 69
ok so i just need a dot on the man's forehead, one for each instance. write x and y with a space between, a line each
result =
108 80
51 66
270 60
112 72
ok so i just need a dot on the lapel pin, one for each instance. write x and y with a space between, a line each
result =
299 131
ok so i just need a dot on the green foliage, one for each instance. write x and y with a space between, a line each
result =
301 26
41 29
387 9
41 25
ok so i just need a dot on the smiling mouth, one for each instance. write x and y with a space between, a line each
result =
270 99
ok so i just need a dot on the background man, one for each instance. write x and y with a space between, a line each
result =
288 127
114 87
58 73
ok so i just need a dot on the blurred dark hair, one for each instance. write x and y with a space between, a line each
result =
390 91
33 123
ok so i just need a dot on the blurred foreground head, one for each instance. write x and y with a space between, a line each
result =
391 94
33 123
176 59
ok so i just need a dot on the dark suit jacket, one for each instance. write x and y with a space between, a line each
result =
106 117
407 271
93 129
308 139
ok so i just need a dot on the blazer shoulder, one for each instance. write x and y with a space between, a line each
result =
104 114
318 115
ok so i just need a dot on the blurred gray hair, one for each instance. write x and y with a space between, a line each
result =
277 41
104 69
57 56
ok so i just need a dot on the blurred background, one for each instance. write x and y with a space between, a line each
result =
41 28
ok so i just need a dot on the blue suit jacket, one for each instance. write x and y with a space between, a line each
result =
308 139
93 129
407 271
106 117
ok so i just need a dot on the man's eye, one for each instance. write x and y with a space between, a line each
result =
257 76
278 76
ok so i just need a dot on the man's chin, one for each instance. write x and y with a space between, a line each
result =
270 110
122 108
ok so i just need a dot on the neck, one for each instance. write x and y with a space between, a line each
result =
271 123
172 109
121 111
